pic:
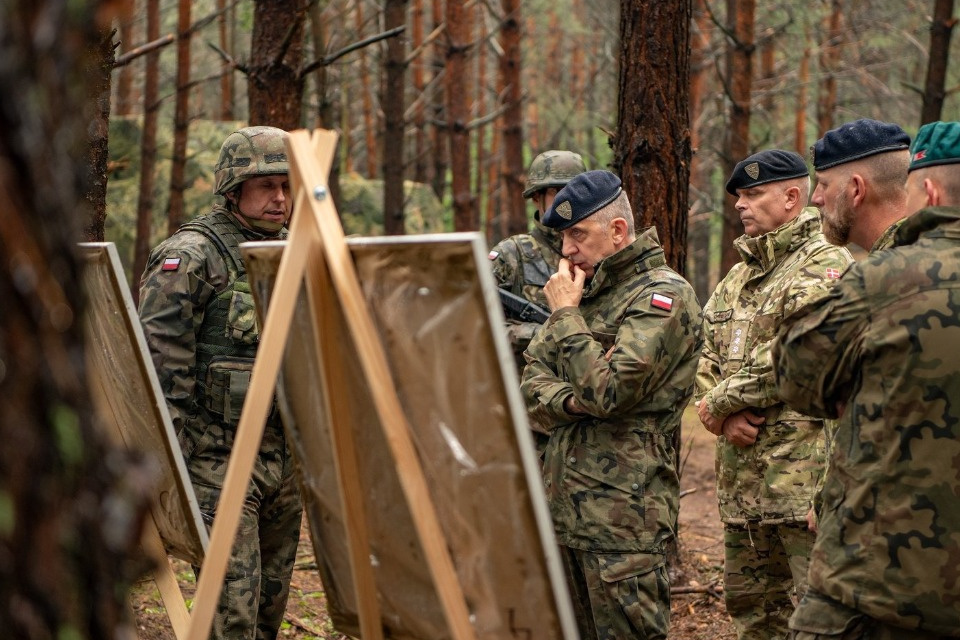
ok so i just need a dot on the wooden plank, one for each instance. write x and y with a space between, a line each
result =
374 365
166 580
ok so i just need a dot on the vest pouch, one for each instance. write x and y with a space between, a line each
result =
242 327
226 387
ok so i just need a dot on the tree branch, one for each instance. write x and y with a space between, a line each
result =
326 60
143 49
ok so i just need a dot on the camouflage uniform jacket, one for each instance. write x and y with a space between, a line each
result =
610 477
775 479
522 264
885 341
885 241
199 318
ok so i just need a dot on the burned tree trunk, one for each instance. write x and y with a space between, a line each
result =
274 83
934 90
395 12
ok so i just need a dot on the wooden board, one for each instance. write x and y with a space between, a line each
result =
127 395
436 313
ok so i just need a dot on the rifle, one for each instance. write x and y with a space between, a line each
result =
522 309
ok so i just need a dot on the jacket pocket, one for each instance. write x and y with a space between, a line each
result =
226 387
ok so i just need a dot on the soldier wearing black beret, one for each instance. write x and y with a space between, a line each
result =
861 167
769 458
607 377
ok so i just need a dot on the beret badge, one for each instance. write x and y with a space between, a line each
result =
753 170
564 210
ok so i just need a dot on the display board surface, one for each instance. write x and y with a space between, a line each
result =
127 395
438 319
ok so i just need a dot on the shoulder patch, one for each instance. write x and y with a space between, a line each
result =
832 273
170 264
661 302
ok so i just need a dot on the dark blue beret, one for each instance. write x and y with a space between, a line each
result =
582 197
858 139
767 166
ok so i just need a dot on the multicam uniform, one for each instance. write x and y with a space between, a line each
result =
522 264
200 324
884 343
885 241
765 490
610 476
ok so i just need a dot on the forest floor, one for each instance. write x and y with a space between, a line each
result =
697 611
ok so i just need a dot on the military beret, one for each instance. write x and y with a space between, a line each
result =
936 143
858 139
582 197
767 166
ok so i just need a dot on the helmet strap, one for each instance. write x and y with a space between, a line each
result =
266 227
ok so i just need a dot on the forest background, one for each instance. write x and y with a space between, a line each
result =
442 109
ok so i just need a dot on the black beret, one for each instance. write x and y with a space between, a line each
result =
858 139
583 196
767 166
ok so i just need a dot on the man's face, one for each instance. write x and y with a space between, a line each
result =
916 194
544 198
588 242
762 208
266 198
836 210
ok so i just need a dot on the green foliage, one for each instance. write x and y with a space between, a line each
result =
361 207
8 514
66 428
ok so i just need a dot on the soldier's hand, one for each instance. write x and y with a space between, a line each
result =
565 287
812 520
710 422
741 428
572 406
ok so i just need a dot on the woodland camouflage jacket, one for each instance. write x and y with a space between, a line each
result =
885 343
610 476
775 479
522 264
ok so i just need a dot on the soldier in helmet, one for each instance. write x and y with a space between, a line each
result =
523 263
199 319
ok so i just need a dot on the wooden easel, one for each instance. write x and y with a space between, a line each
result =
317 252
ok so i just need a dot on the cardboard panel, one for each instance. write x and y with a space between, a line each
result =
127 395
438 318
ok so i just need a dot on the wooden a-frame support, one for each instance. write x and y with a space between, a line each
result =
316 250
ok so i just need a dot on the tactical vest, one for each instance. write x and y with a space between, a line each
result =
229 336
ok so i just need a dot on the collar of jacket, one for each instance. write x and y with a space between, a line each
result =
765 251
931 222
547 237
641 255
249 234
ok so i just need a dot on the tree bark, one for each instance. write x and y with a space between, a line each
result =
148 150
225 35
700 187
181 119
829 63
369 119
514 207
740 18
419 85
800 115
652 143
439 138
458 113
101 61
125 97
941 30
327 116
394 104
274 83
72 506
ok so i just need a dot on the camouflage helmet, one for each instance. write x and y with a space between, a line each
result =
249 152
552 169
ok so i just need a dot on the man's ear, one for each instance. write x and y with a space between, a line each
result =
859 189
792 197
619 230
933 192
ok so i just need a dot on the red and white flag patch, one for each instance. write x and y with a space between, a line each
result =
170 264
832 273
661 302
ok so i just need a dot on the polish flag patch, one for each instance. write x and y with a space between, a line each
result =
832 273
493 255
661 302
170 264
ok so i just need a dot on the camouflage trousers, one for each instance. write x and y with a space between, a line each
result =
765 569
820 618
254 596
618 595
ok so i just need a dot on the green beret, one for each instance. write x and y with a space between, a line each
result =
936 143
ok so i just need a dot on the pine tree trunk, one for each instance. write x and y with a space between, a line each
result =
369 118
181 120
652 143
394 104
829 62
514 206
700 187
72 506
148 150
327 117
419 85
740 16
274 83
941 29
457 115
439 138
225 34
800 115
125 97
96 195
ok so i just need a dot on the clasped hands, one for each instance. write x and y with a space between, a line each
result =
740 428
